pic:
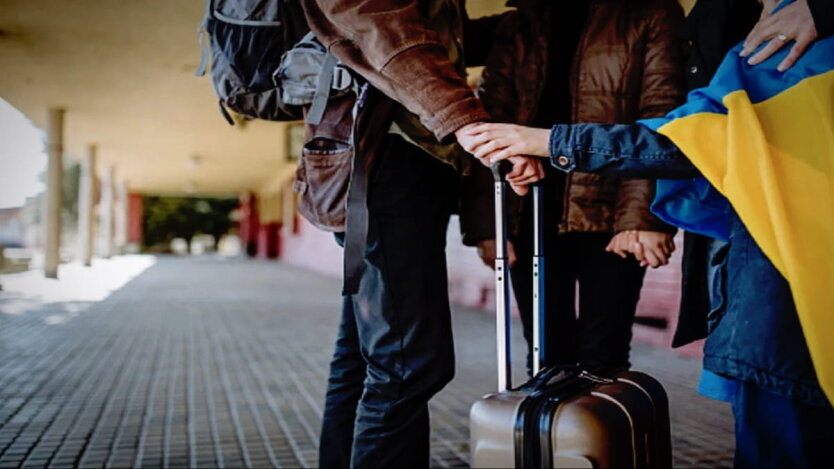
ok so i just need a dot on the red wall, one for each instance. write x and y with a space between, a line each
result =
134 218
312 248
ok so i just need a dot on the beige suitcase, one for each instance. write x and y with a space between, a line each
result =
563 417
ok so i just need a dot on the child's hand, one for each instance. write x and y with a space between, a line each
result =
622 244
657 248
651 248
487 249
526 170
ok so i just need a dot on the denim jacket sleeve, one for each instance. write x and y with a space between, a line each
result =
626 151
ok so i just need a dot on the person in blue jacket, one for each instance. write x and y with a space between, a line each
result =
783 419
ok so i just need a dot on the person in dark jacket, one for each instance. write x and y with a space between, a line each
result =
755 356
394 347
611 61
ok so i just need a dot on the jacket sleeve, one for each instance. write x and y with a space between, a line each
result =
823 13
662 90
389 43
615 150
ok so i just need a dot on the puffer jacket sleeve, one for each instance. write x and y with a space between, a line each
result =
389 43
662 90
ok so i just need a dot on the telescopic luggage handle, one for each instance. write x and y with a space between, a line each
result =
502 284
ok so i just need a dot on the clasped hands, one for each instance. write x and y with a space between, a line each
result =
523 147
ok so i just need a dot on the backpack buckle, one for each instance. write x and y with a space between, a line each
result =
342 79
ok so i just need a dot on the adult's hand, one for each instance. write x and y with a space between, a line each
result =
487 249
792 23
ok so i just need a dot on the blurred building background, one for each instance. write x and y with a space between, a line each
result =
209 348
140 158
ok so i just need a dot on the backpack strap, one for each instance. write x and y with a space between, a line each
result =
357 220
325 81
201 69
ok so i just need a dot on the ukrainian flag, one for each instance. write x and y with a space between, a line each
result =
764 142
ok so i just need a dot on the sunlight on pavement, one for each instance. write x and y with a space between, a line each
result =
77 286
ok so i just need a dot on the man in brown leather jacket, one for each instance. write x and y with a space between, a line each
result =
607 61
394 349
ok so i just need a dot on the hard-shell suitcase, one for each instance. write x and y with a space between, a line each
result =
564 416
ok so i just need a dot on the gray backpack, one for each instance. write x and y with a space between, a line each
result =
247 40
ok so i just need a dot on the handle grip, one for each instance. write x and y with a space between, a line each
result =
500 170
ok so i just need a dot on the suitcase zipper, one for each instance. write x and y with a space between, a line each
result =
596 379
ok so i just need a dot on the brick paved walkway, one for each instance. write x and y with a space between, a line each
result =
221 363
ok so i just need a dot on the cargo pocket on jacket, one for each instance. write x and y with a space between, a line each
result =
717 278
322 180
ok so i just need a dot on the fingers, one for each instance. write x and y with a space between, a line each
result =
486 251
794 22
654 258
525 171
670 245
511 257
663 247
764 30
484 151
520 189
796 52
476 141
621 243
771 48
501 155
638 251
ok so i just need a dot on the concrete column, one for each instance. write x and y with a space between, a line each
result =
86 207
54 190
121 217
107 212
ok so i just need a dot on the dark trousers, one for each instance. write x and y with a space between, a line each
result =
394 348
776 432
609 288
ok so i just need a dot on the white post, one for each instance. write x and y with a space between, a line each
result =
54 189
86 207
121 217
107 211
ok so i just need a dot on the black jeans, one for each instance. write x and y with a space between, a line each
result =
609 288
394 349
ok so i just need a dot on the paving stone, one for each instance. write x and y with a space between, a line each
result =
204 357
